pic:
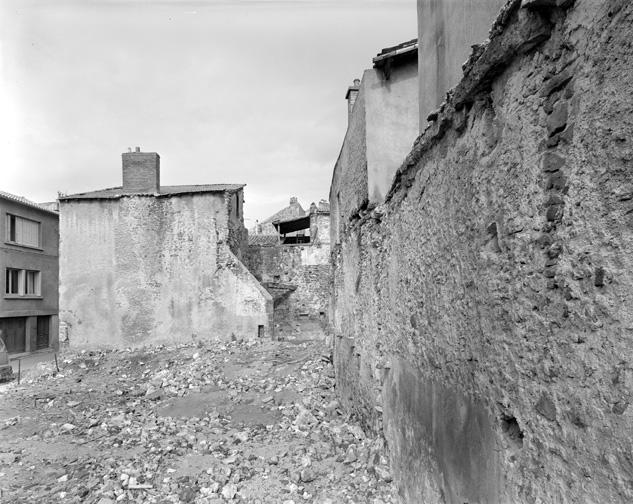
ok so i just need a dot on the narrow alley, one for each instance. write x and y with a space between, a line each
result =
253 421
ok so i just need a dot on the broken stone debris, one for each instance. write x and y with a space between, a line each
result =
240 422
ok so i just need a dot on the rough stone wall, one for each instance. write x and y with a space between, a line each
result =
238 235
141 270
483 313
348 191
305 267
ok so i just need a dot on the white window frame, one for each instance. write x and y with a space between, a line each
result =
23 275
17 239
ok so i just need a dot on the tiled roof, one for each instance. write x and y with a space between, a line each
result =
263 240
408 44
405 52
24 201
117 192
290 212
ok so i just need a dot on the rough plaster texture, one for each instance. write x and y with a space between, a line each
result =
483 313
446 30
348 191
304 268
144 269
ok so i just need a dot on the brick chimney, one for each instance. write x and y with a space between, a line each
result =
351 95
141 172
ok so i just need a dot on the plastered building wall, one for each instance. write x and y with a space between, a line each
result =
144 269
44 259
483 313
381 130
391 116
446 31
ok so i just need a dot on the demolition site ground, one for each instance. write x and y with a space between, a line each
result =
254 422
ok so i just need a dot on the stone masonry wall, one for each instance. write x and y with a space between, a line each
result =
348 191
305 267
145 269
483 313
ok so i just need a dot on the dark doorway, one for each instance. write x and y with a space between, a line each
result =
43 330
260 331
14 333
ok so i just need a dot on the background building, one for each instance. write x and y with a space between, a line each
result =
382 125
144 263
294 266
446 30
29 263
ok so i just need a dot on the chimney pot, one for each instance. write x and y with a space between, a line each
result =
352 94
137 149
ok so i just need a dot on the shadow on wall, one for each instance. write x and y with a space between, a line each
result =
430 426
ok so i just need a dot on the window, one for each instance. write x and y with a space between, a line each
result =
23 282
32 283
23 231
13 281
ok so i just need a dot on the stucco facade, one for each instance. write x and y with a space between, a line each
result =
141 268
446 30
383 123
29 265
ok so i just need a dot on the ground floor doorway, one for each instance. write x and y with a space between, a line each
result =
14 333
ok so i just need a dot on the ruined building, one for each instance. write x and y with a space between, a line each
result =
294 265
147 263
482 311
266 227
29 261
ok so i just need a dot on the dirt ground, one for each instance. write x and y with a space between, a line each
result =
236 422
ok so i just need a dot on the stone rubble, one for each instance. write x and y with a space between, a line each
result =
237 422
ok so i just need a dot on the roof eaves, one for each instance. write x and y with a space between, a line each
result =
398 51
23 201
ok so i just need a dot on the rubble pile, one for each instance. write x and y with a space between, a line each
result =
239 422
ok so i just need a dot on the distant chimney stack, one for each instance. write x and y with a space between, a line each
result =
294 200
351 95
141 172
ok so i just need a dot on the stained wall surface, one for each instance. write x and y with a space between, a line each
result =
391 115
483 314
381 130
144 269
446 30
348 191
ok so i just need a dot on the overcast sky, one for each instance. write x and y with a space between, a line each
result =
240 91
